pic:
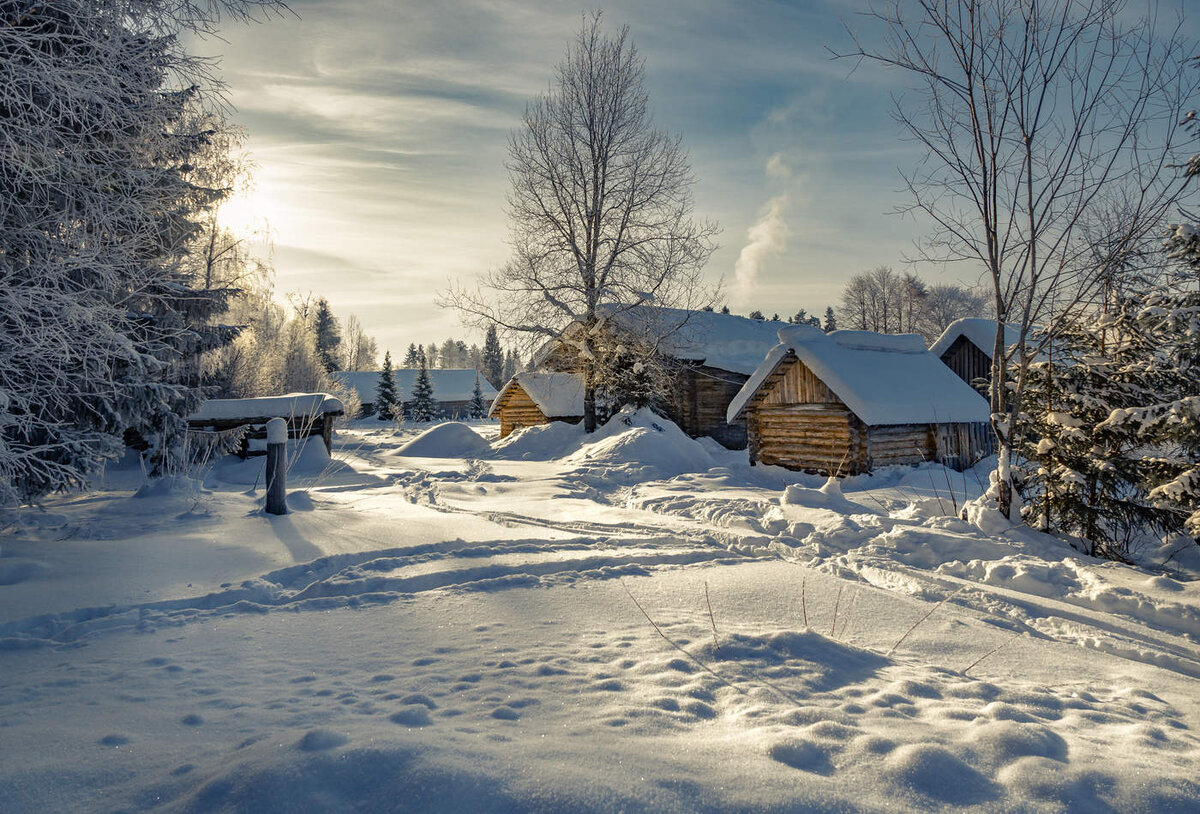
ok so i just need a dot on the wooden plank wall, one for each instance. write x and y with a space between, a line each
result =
699 401
298 427
969 363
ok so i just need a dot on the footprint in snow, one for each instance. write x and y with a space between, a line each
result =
191 720
506 713
412 715
114 740
801 754
318 740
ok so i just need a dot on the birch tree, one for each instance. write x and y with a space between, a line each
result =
1036 118
600 211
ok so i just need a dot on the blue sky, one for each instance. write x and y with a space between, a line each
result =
379 129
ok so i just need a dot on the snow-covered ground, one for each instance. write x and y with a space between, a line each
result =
632 621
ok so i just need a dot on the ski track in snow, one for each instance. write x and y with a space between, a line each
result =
834 707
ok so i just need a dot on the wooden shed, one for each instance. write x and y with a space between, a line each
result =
712 354
850 401
533 398
966 348
307 414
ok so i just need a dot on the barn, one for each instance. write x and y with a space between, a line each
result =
306 414
966 348
533 398
713 355
850 401
452 388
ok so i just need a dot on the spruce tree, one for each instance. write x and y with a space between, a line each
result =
329 338
493 359
421 407
387 403
830 320
512 366
412 358
476 408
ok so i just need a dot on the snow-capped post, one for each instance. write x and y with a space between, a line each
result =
277 434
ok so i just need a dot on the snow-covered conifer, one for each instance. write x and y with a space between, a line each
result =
421 406
493 359
476 408
387 403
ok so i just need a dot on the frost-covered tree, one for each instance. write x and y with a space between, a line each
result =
493 358
1037 120
327 334
103 187
600 210
476 408
421 405
360 349
512 365
387 402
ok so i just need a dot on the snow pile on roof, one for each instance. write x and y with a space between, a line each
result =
724 341
289 406
980 332
449 384
450 440
557 395
640 443
883 379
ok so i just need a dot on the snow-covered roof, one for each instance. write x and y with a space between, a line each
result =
557 395
724 341
449 384
980 332
882 378
287 406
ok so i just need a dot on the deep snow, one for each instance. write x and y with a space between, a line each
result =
630 621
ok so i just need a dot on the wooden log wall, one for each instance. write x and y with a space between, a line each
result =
519 410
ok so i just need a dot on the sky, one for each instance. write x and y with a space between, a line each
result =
379 132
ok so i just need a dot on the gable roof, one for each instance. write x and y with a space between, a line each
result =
883 379
724 341
980 332
449 384
286 406
557 395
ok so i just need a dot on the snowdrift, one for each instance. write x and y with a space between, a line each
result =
450 440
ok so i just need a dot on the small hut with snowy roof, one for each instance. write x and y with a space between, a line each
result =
850 401
533 398
966 347
711 354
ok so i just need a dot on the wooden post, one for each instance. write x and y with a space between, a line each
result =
277 434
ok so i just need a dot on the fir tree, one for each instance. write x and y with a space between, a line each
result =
1113 426
830 320
387 402
756 314
493 359
512 365
328 336
421 407
476 408
412 358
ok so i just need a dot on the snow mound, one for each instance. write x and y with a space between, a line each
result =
829 496
544 442
449 440
639 442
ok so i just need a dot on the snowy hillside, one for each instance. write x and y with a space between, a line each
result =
553 622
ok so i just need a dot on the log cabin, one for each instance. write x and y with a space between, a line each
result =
532 398
848 402
710 356
966 347
306 414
